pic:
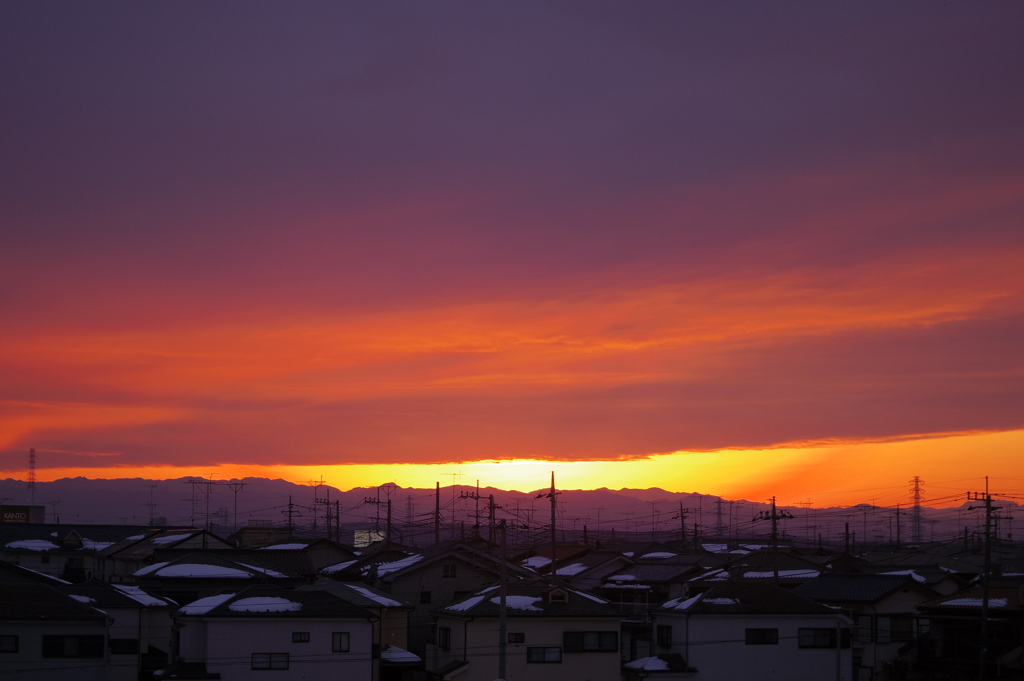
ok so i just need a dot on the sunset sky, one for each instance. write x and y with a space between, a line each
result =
738 248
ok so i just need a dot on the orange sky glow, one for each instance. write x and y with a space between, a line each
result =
678 248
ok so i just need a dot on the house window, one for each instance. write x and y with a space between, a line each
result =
516 637
270 661
449 571
823 638
124 646
45 559
590 641
558 596
545 654
73 646
894 628
300 637
762 637
339 642
425 597
444 638
664 635
9 643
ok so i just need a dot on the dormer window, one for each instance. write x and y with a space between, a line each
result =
449 571
558 596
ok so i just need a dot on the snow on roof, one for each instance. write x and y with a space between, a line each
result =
337 567
536 562
277 547
32 545
205 605
383 600
137 594
395 566
716 548
627 554
570 570
195 570
264 604
626 586
520 602
682 604
659 554
596 599
170 538
652 664
721 601
712 575
149 569
977 602
267 571
93 545
396 654
135 537
466 604
917 577
623 578
782 573
82 599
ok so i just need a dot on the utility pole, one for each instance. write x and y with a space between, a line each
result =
774 516
898 526
437 514
990 515
554 509
502 604
291 512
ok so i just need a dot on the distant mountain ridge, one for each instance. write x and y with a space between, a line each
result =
652 514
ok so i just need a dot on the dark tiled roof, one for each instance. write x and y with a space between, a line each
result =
103 595
40 602
747 598
646 574
177 568
363 595
536 597
1001 600
856 588
311 604
290 561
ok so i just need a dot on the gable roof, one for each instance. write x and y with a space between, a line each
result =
854 588
105 595
752 598
208 566
266 601
36 602
1001 599
530 601
363 595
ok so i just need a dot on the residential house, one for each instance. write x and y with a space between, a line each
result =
951 649
884 613
742 630
196 575
259 630
139 633
46 635
122 560
552 633
433 577
390 627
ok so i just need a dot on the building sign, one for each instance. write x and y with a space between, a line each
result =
22 514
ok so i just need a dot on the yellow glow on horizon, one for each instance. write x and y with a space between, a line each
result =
826 475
